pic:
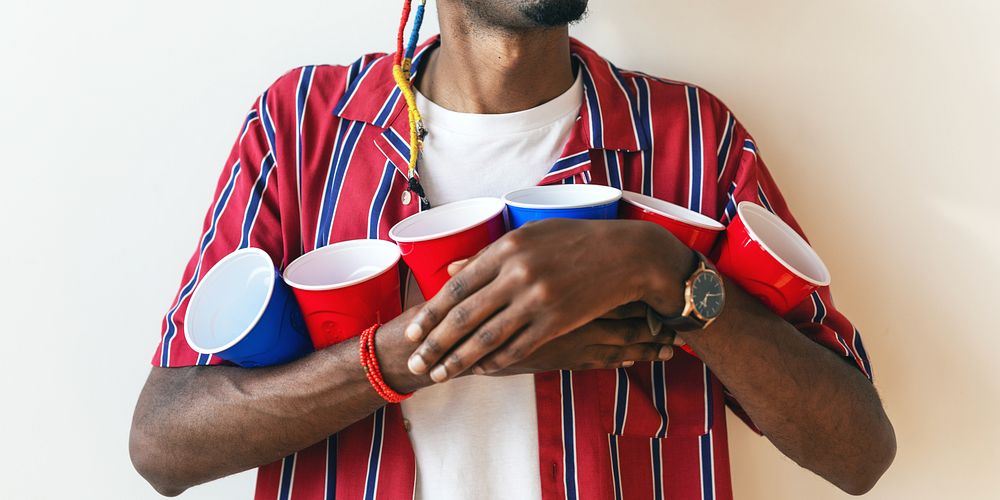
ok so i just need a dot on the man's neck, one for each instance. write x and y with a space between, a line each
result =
486 71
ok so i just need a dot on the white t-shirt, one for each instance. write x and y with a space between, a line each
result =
477 436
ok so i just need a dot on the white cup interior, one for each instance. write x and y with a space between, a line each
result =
229 301
672 211
783 243
446 220
341 264
563 196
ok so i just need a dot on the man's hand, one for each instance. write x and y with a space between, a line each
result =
602 343
540 282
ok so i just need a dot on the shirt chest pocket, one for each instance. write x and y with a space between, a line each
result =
679 397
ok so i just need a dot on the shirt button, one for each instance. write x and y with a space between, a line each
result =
406 197
406 425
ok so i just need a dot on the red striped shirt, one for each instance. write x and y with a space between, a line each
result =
321 158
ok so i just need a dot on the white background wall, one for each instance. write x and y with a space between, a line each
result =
879 120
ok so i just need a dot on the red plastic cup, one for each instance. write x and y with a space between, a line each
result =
695 230
768 259
431 240
346 287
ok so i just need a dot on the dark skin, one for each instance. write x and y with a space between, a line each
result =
196 424
530 287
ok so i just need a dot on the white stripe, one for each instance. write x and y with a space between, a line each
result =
260 202
364 75
347 166
326 180
635 130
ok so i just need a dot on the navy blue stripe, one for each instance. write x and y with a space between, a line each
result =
642 139
749 145
331 467
621 401
265 119
727 143
707 486
568 162
697 156
256 195
569 180
569 435
305 83
615 467
379 202
731 206
820 308
287 466
614 174
593 107
336 179
188 287
387 108
646 118
303 91
660 397
656 447
847 348
398 143
706 441
860 348
325 209
354 82
763 199
376 453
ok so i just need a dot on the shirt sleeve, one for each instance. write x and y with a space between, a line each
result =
243 213
746 178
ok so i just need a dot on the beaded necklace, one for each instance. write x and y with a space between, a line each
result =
401 74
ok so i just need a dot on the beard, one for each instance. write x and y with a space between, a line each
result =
551 13
527 14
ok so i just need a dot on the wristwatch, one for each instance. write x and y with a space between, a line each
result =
704 297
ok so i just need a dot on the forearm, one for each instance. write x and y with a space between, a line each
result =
816 409
196 424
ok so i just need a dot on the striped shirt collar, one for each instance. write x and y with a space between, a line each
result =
609 100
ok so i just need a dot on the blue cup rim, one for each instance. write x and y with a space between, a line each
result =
266 263
594 195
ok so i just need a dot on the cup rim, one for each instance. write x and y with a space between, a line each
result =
249 251
413 219
749 206
661 207
611 195
289 272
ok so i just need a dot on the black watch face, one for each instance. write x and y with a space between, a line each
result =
707 295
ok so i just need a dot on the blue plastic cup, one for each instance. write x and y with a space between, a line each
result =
562 201
243 312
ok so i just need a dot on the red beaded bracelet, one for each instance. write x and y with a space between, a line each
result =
366 348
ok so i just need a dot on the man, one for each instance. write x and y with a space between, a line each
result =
535 375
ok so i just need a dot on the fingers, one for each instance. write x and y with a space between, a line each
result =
475 275
624 332
609 356
487 338
461 319
457 266
630 310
